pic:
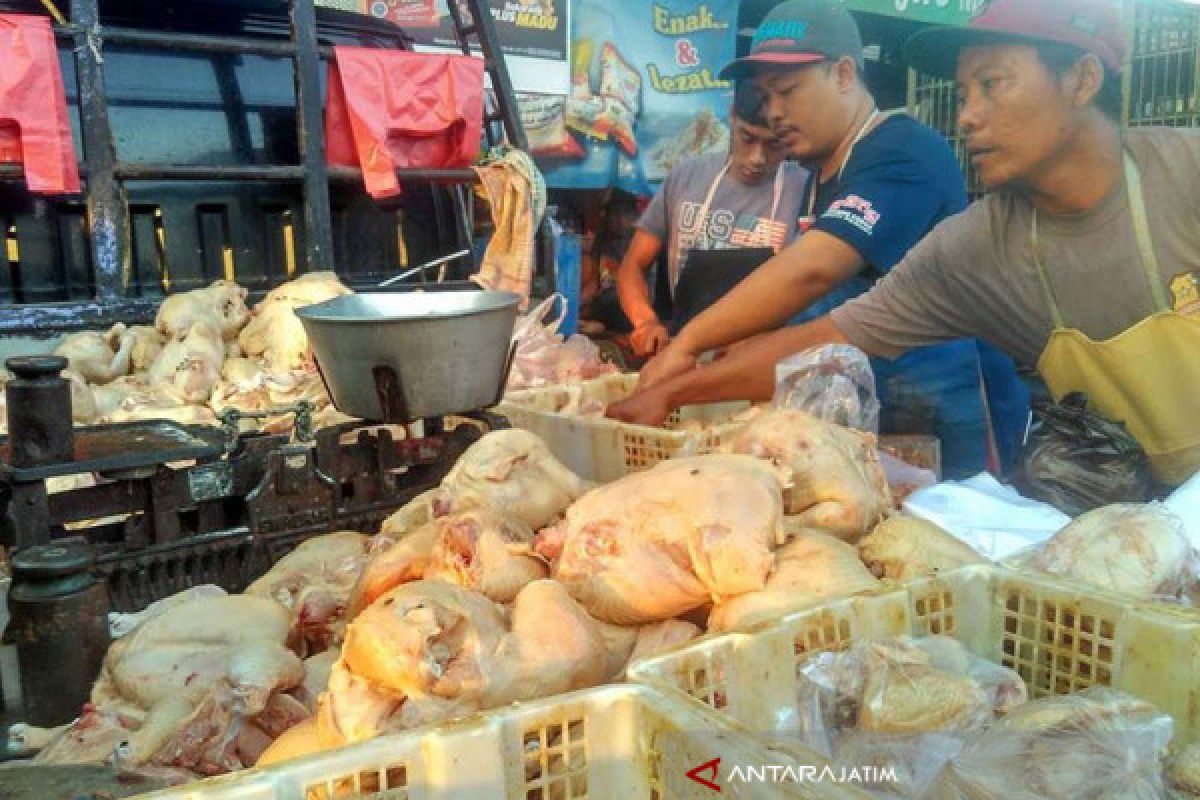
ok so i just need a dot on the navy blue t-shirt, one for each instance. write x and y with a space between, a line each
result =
902 179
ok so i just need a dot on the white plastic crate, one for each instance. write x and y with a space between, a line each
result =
620 742
604 450
1060 637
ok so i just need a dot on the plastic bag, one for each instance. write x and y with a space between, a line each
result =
903 703
833 382
1077 460
1135 549
388 109
1099 744
545 358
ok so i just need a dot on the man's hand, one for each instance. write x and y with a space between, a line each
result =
649 407
671 362
649 338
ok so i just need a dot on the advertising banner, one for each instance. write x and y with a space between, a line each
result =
644 93
534 35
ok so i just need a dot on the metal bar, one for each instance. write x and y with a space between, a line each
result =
318 223
107 211
194 172
55 317
240 139
198 42
482 24
202 43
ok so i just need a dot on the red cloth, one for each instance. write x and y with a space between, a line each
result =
390 109
34 127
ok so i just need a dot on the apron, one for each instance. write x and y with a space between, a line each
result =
1147 376
707 275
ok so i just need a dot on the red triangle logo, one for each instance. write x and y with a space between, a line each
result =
709 767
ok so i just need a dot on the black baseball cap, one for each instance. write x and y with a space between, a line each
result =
800 32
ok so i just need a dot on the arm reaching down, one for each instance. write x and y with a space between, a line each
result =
649 334
782 287
747 373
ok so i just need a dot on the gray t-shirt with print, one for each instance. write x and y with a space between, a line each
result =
740 215
974 274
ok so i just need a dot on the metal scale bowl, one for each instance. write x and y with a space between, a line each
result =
418 355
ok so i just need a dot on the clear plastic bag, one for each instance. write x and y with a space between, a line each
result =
834 383
903 703
1136 549
544 357
1099 744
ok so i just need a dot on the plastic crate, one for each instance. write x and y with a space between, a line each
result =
603 450
615 743
1058 636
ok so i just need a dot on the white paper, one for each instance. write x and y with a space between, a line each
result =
994 519
1185 502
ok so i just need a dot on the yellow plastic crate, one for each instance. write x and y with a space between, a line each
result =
619 742
1058 636
604 450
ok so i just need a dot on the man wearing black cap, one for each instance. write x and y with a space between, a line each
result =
882 181
1084 260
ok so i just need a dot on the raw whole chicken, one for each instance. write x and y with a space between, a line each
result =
191 364
513 472
276 335
477 549
314 582
117 395
810 568
316 678
1134 549
661 637
222 304
1183 773
274 332
147 344
838 485
309 289
84 408
481 550
904 547
659 543
429 650
98 357
398 555
197 686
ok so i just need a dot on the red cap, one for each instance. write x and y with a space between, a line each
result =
1094 26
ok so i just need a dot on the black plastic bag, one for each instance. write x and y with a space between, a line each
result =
1076 460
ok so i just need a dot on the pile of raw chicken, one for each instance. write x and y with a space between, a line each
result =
512 580
515 580
208 352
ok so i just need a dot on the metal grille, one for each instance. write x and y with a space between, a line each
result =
935 102
1164 73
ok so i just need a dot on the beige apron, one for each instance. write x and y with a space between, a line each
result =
1147 376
